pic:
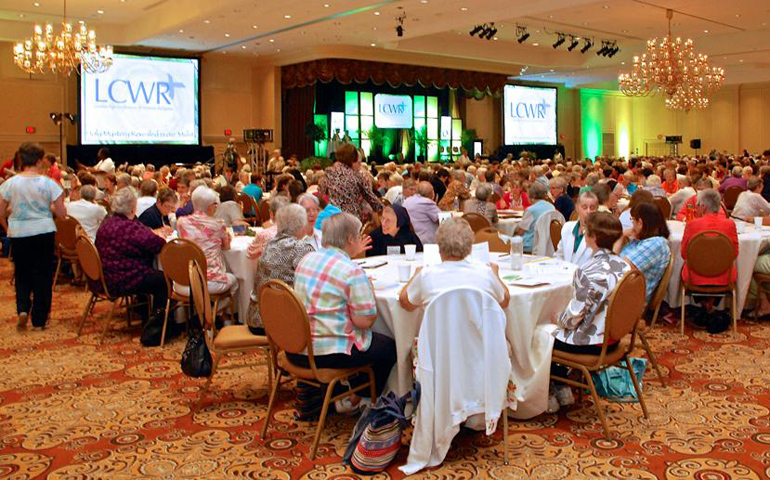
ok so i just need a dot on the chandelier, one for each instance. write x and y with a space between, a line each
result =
671 66
62 52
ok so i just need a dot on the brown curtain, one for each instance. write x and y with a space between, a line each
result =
300 103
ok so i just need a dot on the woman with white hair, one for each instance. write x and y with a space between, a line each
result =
267 233
211 235
455 242
280 258
481 203
127 250
653 185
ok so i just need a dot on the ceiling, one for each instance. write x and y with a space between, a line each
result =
735 34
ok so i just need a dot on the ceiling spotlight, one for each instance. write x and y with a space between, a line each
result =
475 30
560 38
573 43
491 32
400 26
603 51
521 34
614 49
587 44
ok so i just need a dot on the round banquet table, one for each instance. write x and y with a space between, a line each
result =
528 327
749 244
239 264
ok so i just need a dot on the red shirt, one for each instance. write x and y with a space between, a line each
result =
8 165
711 221
692 203
671 188
54 173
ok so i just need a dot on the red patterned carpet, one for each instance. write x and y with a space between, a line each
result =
70 408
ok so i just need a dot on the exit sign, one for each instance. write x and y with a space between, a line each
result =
30 130
228 132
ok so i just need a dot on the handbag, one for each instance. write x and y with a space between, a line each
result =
376 438
196 358
614 383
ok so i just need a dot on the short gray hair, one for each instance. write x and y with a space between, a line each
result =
123 202
483 191
197 183
291 219
88 192
123 178
557 182
455 238
737 171
537 191
311 197
203 198
338 229
278 202
753 182
710 199
652 181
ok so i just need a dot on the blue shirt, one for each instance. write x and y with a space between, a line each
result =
254 191
30 199
326 213
650 256
529 221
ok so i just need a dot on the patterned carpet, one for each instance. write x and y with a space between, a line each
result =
70 408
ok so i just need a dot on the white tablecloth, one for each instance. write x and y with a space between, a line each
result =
528 327
749 244
240 265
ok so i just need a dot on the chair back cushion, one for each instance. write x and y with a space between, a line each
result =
66 235
555 233
626 305
200 294
731 196
284 317
175 260
477 221
710 254
88 257
490 235
264 211
664 205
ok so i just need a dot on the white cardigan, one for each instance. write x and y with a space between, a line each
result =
567 245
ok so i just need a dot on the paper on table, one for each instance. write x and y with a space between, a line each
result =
444 216
528 283
430 254
480 252
371 263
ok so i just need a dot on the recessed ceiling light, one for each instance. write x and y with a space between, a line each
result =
271 40
535 44
376 13
326 5
737 16
585 24
605 7
622 63
374 28
37 4
207 22
223 52
279 50
254 27
243 47
181 31
373 44
550 16
21 15
227 34
494 38
287 16
100 12
552 69
705 31
464 9
423 1
741 60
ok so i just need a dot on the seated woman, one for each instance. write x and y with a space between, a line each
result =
481 203
228 209
280 258
269 229
516 198
648 248
394 231
127 250
211 235
456 193
339 299
639 196
455 242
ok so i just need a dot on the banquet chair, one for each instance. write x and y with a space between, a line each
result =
494 198
264 211
664 205
174 259
449 382
491 236
229 339
555 233
477 221
248 205
541 242
66 238
91 264
710 254
654 305
762 279
624 311
573 216
730 197
288 331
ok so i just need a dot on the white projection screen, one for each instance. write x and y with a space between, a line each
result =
141 100
529 115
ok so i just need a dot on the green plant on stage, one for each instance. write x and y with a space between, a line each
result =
467 137
314 133
309 162
377 141
421 140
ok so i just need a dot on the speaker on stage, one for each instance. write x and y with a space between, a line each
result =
695 143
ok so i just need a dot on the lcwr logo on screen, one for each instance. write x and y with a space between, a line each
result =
127 91
392 108
530 110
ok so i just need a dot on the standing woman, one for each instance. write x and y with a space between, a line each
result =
346 187
34 199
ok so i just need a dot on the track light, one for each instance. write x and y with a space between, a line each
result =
521 34
603 51
475 30
492 31
559 40
587 44
487 30
573 43
400 24
613 50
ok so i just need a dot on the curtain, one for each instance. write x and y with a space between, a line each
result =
299 102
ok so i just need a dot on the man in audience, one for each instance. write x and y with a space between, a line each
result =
156 215
340 302
147 191
86 211
561 200
572 247
690 208
122 180
750 203
735 180
423 212
538 194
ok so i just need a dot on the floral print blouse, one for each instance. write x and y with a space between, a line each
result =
582 323
209 233
455 193
346 187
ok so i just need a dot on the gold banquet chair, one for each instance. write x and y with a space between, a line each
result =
477 221
555 230
229 339
654 306
288 329
490 235
625 309
66 238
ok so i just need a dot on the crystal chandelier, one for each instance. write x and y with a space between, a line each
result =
61 53
671 66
